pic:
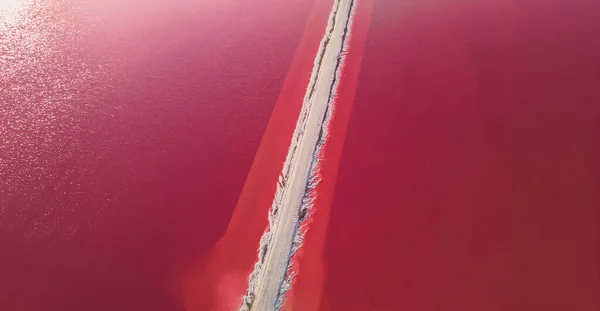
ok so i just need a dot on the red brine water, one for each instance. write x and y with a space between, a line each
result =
141 143
127 129
469 175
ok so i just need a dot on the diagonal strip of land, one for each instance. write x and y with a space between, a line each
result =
267 281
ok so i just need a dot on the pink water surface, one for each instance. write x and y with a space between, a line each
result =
469 178
127 129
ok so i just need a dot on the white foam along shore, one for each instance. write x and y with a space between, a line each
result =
271 277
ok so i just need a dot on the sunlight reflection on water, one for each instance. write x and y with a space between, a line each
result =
43 74
6 5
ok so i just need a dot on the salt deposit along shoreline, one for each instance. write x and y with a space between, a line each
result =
270 279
